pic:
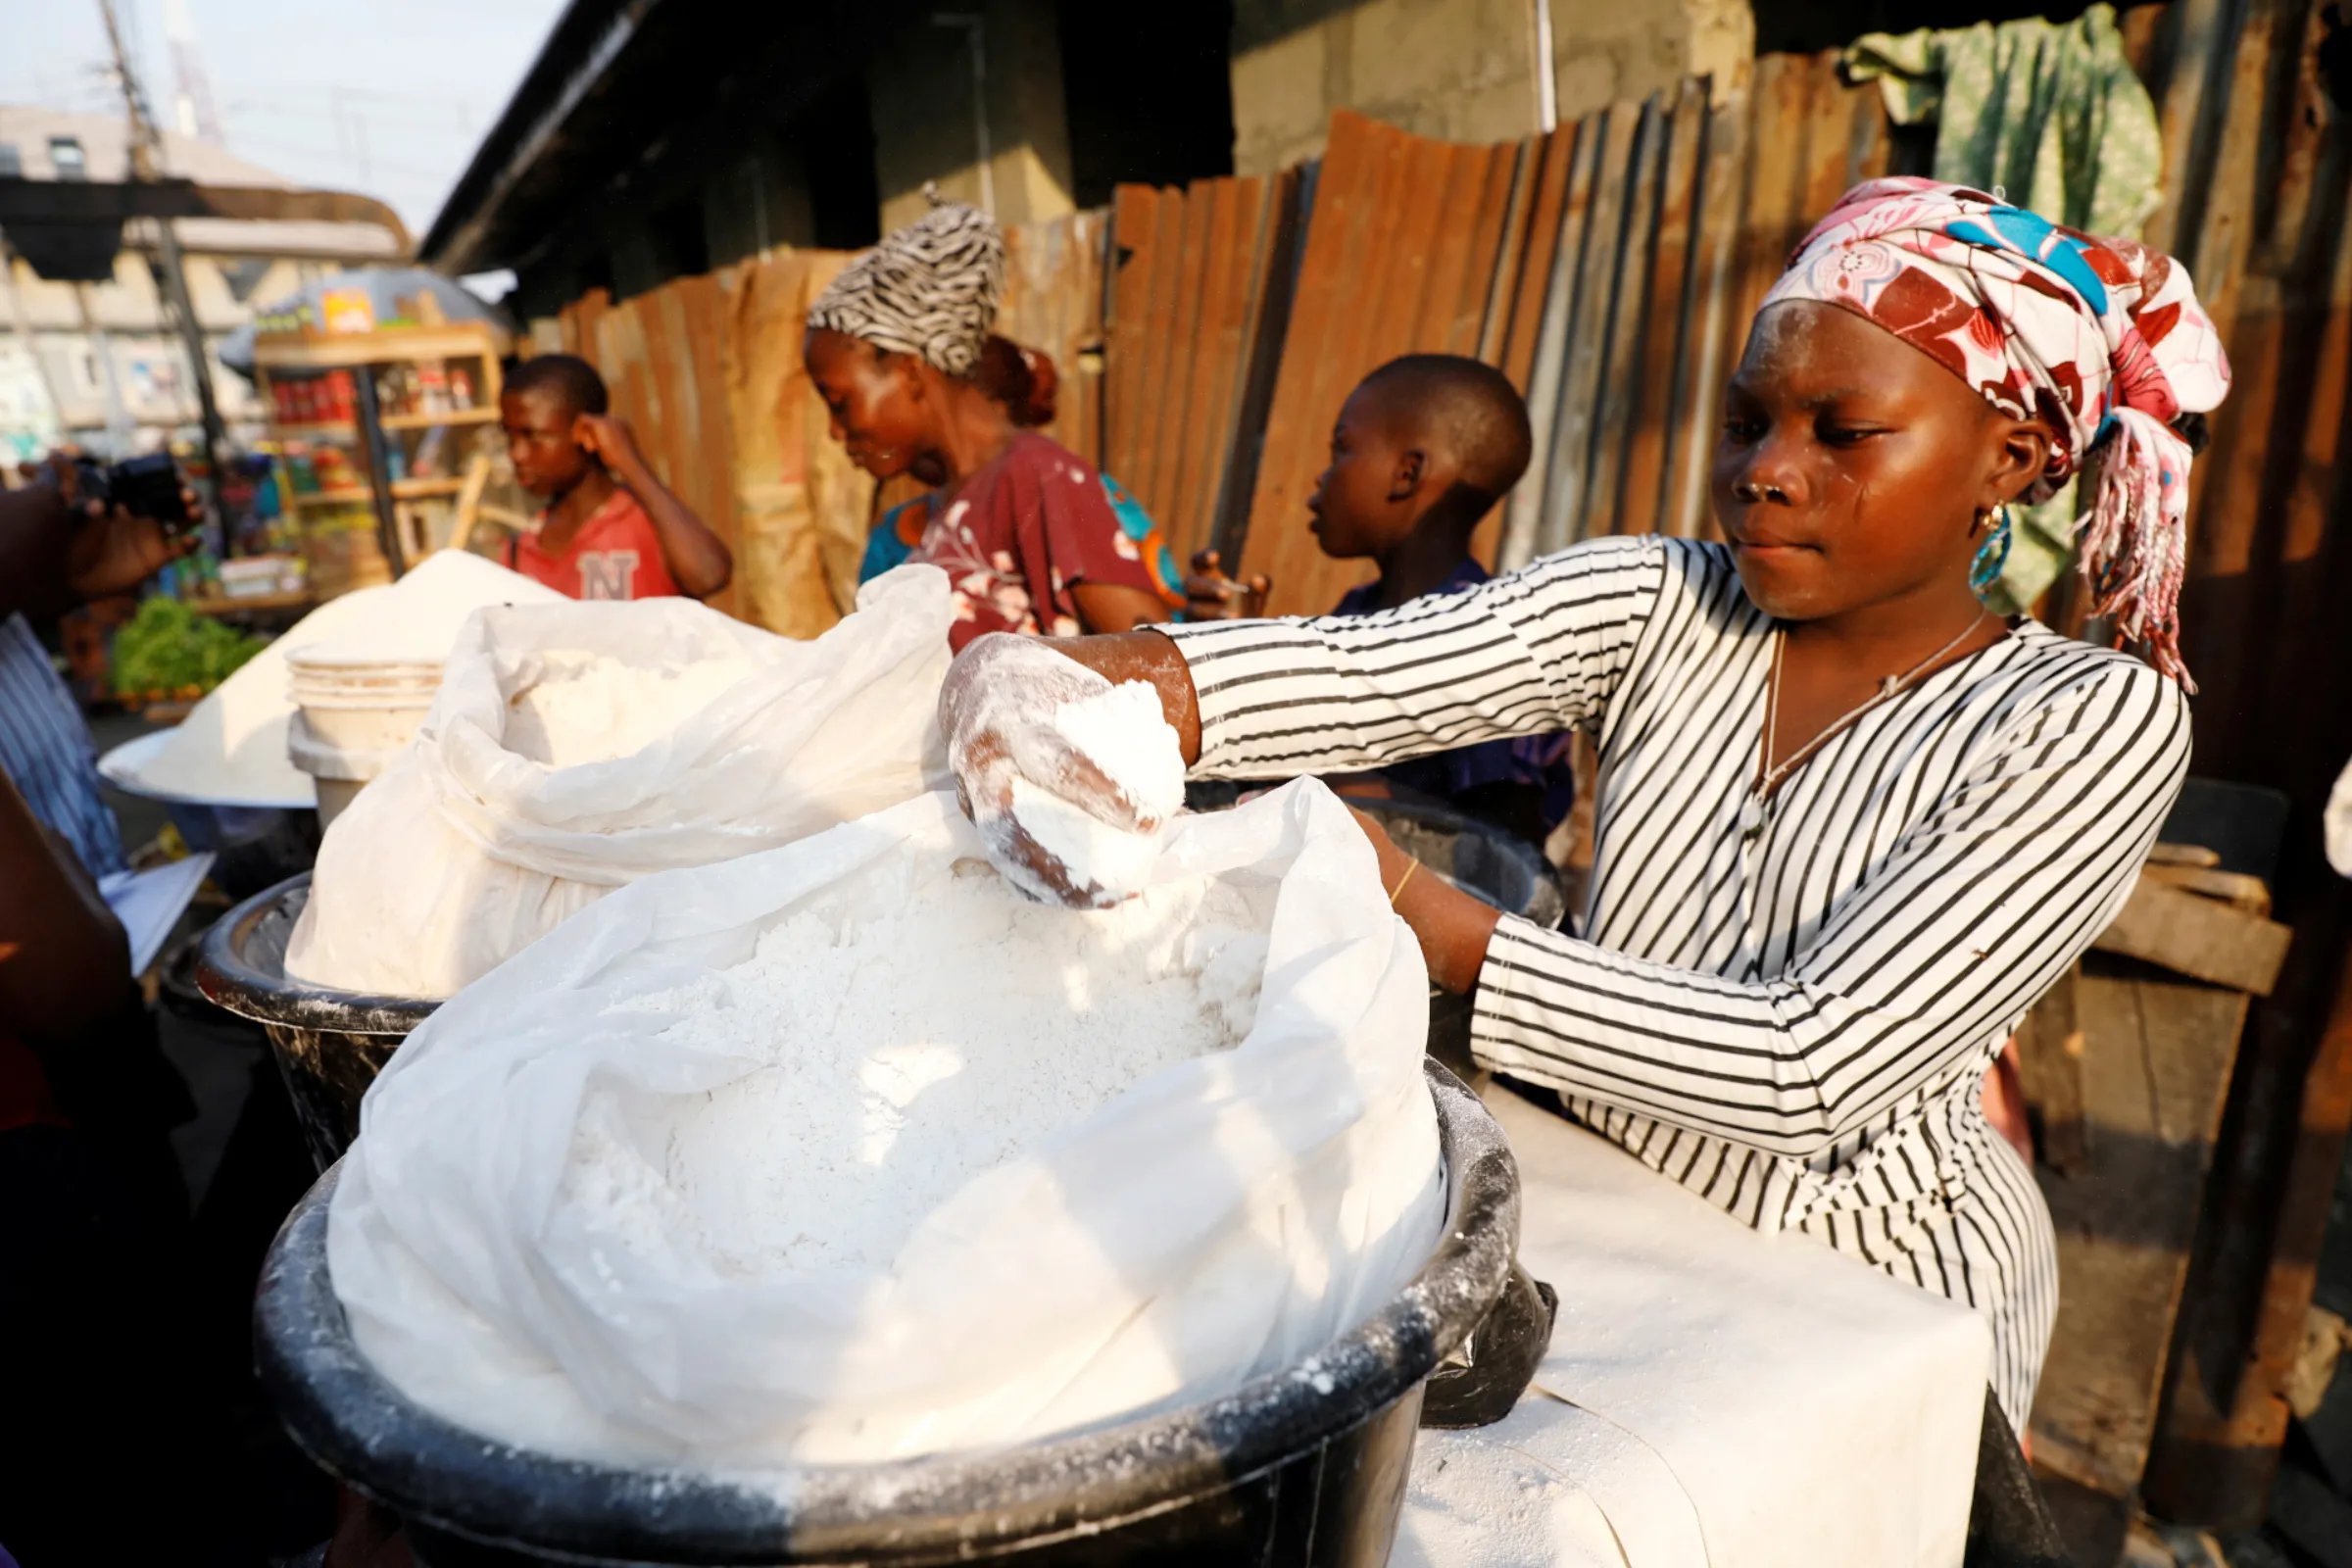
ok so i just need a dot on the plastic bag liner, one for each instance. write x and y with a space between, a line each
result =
1226 1216
463 851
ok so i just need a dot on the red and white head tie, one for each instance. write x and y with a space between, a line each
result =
2102 340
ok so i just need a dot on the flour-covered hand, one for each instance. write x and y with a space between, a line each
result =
1068 778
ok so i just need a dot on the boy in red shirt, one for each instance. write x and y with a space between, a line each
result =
611 529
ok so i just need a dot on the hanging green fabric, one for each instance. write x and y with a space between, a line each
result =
2053 116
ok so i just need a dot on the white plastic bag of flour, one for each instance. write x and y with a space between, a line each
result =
707 739
1222 1218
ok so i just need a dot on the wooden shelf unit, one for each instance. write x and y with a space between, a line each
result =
341 558
426 422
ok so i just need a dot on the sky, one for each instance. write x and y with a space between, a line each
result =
385 97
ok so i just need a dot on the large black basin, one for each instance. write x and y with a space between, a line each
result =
1306 1466
329 1044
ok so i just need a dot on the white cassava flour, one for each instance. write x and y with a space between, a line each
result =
1125 734
592 707
912 1035
847 1152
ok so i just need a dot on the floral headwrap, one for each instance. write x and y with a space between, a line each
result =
930 290
2100 339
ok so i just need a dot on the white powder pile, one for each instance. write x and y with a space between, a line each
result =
916 1027
1125 733
233 746
422 615
593 707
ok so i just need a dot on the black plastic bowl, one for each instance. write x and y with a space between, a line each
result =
329 1044
1306 1466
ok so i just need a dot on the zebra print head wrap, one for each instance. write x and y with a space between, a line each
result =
929 289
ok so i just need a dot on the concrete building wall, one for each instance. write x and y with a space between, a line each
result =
921 90
64 343
1459 69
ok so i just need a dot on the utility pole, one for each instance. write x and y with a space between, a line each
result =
145 168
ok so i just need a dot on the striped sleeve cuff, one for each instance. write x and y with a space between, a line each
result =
1230 646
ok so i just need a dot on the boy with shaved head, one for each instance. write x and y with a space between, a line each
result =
1423 449
612 529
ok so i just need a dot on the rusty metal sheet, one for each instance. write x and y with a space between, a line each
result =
1556 159
1628 319
1642 506
1333 243
1452 306
1273 289
1213 342
1134 242
1568 474
1180 363
802 506
1523 513
2189 51
1052 302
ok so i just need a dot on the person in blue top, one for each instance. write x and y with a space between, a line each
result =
1023 382
1423 449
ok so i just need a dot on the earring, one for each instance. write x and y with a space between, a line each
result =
1993 554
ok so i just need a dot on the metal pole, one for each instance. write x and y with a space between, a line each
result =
1540 69
144 141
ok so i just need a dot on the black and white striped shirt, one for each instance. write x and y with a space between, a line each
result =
1788 1011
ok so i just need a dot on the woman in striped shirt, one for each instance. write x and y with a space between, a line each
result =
1849 823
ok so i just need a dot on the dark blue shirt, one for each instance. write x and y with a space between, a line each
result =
1542 761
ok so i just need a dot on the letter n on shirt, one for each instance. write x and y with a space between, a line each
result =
608 573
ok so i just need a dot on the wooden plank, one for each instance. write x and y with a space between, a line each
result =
1568 474
2155 1064
2198 937
2248 895
1628 316
1642 503
1523 513
2049 1061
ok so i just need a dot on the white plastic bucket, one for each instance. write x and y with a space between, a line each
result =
353 717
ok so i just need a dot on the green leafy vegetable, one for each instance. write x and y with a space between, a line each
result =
167 646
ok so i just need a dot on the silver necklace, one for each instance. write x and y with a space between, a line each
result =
1752 810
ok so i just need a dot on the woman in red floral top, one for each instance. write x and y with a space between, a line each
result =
1022 526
